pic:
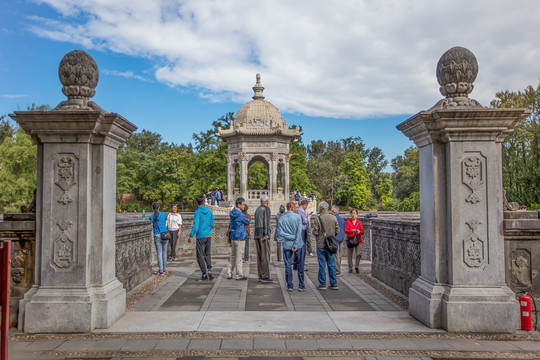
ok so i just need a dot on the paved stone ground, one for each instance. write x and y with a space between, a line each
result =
178 317
182 292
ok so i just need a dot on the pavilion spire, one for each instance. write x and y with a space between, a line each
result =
258 89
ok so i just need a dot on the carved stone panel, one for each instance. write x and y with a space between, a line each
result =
64 207
65 176
63 247
473 167
521 268
473 247
258 124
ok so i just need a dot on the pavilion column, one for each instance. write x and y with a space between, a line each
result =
230 178
286 178
76 287
462 283
243 176
273 177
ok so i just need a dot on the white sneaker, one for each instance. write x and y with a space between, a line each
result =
310 254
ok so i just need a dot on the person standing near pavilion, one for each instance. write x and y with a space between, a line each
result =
161 238
174 225
202 228
340 237
306 220
354 230
279 244
289 232
248 231
239 236
326 225
262 239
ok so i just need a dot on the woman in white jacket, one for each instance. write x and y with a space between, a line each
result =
174 225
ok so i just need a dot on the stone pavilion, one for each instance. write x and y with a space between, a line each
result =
258 133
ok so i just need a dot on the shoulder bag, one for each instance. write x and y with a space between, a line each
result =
330 242
353 240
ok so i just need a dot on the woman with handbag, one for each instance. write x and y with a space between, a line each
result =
161 237
354 231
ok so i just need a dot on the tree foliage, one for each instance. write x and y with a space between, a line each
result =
18 170
521 149
406 176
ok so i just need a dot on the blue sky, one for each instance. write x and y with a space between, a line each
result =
337 69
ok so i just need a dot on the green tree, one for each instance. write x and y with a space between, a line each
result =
257 176
298 166
357 187
406 178
326 164
6 129
381 185
521 149
18 171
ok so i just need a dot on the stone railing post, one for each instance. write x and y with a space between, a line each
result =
75 289
462 285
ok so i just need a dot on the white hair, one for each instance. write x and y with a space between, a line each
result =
335 209
264 199
323 205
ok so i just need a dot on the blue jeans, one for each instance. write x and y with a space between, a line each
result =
287 258
326 258
161 249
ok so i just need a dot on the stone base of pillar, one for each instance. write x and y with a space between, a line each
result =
480 309
70 310
425 301
464 309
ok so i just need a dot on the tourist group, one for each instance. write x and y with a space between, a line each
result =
294 228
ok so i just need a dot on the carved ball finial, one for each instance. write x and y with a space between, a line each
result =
456 72
79 75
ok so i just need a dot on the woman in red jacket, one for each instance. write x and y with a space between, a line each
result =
354 229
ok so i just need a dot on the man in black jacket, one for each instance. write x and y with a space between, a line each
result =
262 239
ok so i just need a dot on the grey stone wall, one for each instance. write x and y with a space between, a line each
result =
134 244
395 252
522 252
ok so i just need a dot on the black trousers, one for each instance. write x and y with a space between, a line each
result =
173 242
204 251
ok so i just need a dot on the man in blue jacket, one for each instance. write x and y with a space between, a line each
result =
340 237
238 239
289 232
202 228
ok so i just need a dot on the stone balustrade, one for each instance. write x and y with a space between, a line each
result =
396 252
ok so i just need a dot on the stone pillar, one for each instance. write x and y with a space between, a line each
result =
76 287
272 186
286 177
230 178
462 285
243 175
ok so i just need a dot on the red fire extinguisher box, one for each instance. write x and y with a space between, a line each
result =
525 312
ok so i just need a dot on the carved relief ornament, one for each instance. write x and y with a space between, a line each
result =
65 176
472 176
63 247
473 246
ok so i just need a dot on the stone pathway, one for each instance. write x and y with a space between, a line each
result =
182 318
275 346
182 292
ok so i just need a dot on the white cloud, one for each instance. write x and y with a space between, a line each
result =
13 96
324 58
125 74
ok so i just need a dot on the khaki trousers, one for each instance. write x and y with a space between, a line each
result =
338 256
235 262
